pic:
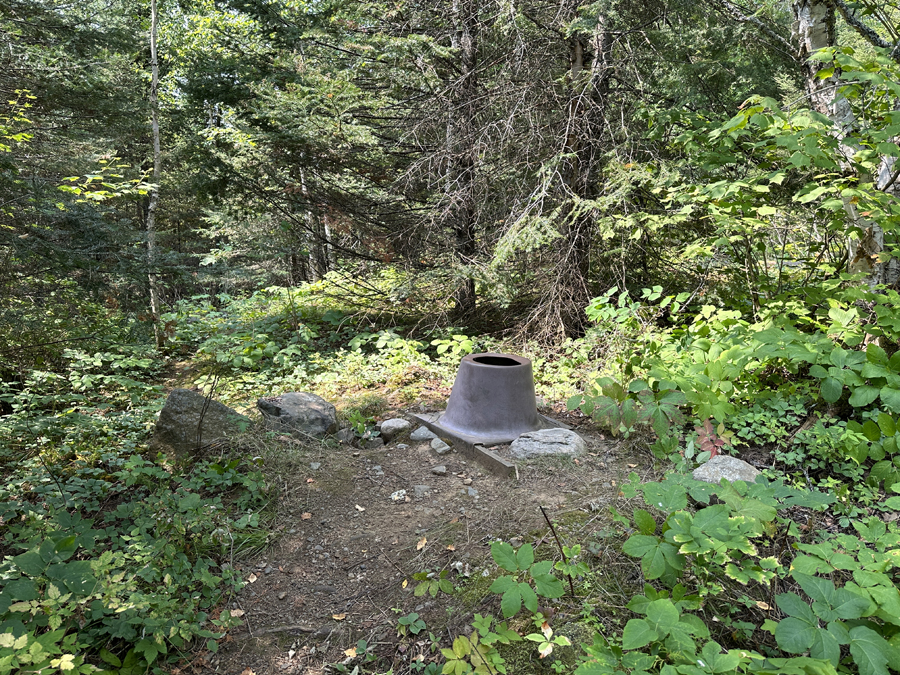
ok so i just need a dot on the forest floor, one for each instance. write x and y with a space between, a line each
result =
342 567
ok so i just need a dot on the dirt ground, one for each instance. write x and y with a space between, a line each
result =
342 567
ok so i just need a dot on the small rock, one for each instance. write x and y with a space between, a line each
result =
378 470
392 428
439 470
398 496
421 490
467 481
345 436
322 633
315 466
282 595
729 468
439 446
469 492
269 570
547 442
318 547
402 446
422 434
374 443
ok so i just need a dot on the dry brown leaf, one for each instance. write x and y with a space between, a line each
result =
577 463
763 605
454 520
359 508
305 516
310 480
247 671
405 583
451 547
338 617
350 652
632 466
236 613
252 578
421 544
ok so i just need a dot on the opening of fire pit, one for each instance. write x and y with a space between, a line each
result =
496 361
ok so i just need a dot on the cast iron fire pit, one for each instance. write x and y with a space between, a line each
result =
492 402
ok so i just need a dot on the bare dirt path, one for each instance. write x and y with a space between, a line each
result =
342 569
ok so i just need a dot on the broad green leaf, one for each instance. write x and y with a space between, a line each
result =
863 396
639 544
815 587
662 616
644 521
877 355
504 555
525 557
502 584
30 563
849 605
795 636
793 605
891 398
679 641
511 602
832 389
886 423
77 576
21 590
825 647
665 496
549 586
637 634
869 651
529 598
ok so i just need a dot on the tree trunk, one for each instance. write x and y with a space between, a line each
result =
460 190
814 27
588 84
152 252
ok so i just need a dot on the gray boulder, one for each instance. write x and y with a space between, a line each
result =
392 428
439 446
547 442
422 434
189 421
729 468
299 413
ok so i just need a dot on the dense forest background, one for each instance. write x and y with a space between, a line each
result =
466 155
684 212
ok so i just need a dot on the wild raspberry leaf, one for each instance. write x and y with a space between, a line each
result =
644 521
504 555
511 602
662 616
638 633
795 636
524 557
665 496
871 652
529 597
502 584
548 586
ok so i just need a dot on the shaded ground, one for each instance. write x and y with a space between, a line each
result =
342 568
